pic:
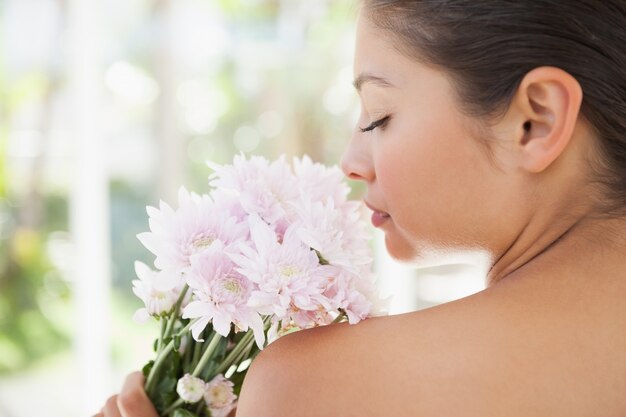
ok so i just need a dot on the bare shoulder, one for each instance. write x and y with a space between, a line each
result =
382 366
472 357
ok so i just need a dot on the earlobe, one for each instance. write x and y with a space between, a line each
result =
548 101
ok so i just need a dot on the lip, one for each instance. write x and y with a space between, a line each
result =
379 217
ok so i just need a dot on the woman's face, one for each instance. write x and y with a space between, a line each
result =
424 166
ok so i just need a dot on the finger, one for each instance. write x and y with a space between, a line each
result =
98 415
133 381
110 408
133 400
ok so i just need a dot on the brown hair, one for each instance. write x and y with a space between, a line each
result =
487 46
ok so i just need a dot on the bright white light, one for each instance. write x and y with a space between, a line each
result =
450 282
132 157
196 93
24 144
199 34
199 150
394 278
200 120
202 106
29 34
338 99
270 124
246 139
61 251
131 83
345 76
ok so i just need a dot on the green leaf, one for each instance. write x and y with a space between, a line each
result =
181 412
177 342
164 392
146 368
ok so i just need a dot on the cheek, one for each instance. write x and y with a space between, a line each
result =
432 177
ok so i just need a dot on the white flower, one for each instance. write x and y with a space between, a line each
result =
190 388
158 292
176 235
219 396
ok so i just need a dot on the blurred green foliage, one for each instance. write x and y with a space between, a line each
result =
35 318
35 300
31 295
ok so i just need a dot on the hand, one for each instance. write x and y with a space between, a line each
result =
132 401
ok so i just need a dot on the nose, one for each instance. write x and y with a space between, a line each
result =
356 162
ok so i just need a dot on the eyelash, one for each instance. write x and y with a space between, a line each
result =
374 125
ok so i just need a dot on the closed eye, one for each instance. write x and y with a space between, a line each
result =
374 125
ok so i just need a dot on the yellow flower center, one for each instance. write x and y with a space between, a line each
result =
203 242
232 286
289 271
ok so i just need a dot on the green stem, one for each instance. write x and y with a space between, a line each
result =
161 338
199 407
187 355
232 356
244 353
174 406
244 344
172 320
207 354
161 357
197 350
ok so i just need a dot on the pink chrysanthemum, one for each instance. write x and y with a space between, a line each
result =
221 296
319 182
335 232
219 396
176 235
264 189
288 273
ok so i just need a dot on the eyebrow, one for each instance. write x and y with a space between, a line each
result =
368 78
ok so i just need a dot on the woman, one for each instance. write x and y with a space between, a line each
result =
491 127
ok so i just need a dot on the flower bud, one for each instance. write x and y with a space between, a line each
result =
219 396
190 389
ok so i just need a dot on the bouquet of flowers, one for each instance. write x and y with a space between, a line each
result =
271 249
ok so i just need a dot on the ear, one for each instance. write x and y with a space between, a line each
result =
543 115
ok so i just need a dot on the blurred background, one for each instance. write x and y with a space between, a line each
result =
109 106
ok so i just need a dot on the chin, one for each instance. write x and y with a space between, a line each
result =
400 250
424 255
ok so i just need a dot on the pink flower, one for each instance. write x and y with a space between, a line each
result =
353 293
335 232
219 396
176 235
288 274
319 182
263 189
221 296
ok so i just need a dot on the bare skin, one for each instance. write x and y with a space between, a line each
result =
548 343
132 400
546 338
548 335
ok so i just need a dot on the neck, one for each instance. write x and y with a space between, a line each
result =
561 242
